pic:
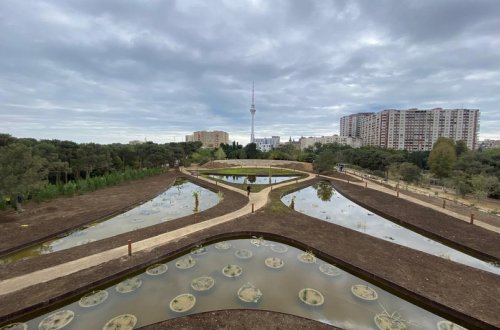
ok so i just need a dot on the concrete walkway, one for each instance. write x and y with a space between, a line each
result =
258 200
378 187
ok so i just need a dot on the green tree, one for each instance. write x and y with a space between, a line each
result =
461 147
442 157
483 185
324 162
22 172
409 172
220 154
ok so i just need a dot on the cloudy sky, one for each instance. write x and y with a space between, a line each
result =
115 71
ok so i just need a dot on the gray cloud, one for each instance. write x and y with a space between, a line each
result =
109 71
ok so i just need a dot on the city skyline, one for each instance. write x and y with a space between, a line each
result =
161 70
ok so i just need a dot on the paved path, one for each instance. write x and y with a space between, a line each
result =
373 185
20 282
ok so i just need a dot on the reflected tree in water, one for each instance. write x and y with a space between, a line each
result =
324 190
252 178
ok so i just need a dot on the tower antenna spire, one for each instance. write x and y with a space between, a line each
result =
252 111
253 89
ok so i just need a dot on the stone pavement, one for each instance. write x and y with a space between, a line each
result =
258 200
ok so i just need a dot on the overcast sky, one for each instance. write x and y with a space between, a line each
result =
113 71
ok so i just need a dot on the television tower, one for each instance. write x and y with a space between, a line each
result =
252 111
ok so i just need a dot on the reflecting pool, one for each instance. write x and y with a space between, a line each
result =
322 201
177 201
253 179
244 273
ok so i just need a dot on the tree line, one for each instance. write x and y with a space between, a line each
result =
450 164
29 166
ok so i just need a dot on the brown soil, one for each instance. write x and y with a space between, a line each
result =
474 240
305 167
51 218
451 205
239 319
460 293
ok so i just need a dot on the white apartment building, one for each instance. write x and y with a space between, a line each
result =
418 130
209 139
343 140
267 144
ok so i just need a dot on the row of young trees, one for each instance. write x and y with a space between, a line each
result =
28 165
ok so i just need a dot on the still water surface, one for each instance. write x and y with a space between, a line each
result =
333 296
175 202
253 179
323 202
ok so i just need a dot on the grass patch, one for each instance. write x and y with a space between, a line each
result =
251 171
244 171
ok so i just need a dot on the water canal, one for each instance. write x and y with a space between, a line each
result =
323 202
244 273
175 202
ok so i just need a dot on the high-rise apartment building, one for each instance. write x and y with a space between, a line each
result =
209 139
418 130
351 125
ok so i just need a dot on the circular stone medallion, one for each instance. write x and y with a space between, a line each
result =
330 270
232 271
311 297
249 293
274 262
384 321
243 254
15 326
57 320
129 285
93 298
447 325
182 303
307 258
185 263
257 241
122 322
156 269
364 292
279 248
224 245
202 283
198 251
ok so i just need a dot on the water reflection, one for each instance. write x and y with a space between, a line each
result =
324 190
253 179
272 278
182 199
337 209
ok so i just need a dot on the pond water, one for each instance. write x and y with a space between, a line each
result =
322 201
243 273
175 202
253 179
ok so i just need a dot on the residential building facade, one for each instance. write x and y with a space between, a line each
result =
343 140
351 125
418 130
267 144
209 139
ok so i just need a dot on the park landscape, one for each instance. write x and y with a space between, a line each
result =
305 246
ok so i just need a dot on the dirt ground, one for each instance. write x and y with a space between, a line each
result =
428 281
